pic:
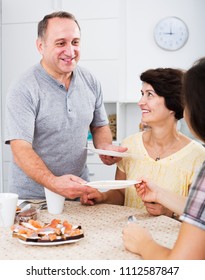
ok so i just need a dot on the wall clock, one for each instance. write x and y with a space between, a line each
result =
171 33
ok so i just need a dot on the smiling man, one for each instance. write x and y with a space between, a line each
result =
49 112
59 46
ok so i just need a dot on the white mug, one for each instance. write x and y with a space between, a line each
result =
55 202
8 204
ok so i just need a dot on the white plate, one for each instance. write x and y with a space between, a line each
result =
110 153
112 185
49 243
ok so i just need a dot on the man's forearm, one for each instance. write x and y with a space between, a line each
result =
102 136
31 164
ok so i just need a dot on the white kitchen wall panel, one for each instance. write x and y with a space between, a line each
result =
20 11
99 172
18 53
128 119
107 72
97 42
96 9
18 50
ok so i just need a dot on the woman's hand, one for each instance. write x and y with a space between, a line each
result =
91 197
135 238
149 193
147 190
157 209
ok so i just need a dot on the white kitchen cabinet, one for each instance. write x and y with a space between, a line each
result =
95 40
107 72
97 169
100 172
128 117
21 11
19 52
88 9
33 10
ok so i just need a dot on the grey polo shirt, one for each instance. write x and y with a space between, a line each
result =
55 121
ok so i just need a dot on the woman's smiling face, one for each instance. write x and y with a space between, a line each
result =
152 106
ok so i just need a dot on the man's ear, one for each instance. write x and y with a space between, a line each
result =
39 45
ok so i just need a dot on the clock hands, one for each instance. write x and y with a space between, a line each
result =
170 32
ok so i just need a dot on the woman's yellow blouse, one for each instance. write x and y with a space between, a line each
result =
174 172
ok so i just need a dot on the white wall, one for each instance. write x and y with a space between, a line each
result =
142 51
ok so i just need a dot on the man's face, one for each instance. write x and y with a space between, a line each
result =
60 47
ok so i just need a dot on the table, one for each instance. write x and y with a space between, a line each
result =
102 225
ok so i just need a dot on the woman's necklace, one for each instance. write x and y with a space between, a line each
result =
158 152
157 158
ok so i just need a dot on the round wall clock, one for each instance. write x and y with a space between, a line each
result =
171 33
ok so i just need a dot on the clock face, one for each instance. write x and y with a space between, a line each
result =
171 33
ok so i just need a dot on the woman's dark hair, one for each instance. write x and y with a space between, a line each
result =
167 82
42 25
194 97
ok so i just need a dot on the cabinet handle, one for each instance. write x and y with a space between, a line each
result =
91 174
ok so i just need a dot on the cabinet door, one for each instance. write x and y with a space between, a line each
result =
20 11
128 119
100 171
19 52
92 8
105 71
97 42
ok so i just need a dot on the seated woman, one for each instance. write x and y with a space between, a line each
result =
163 154
139 240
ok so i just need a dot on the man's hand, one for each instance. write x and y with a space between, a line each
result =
69 186
109 160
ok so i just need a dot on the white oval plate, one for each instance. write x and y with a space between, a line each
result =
112 185
49 243
110 153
